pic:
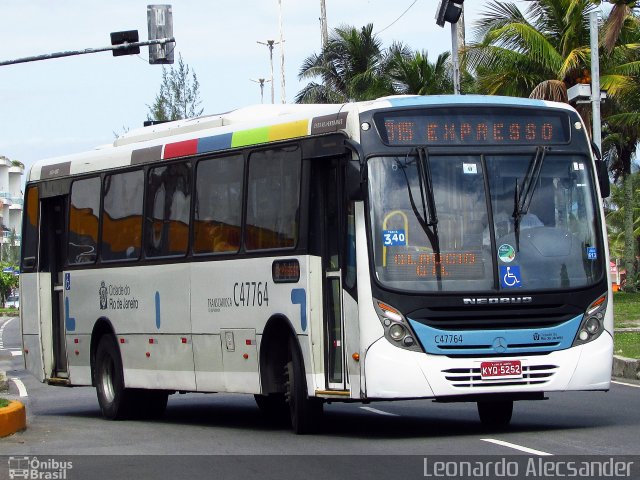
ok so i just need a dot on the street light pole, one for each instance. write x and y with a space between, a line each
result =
270 44
596 126
450 11
454 59
261 82
282 81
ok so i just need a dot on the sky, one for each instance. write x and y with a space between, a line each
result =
62 106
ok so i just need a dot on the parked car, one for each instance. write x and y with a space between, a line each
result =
13 301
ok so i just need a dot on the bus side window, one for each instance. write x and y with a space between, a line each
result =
168 210
273 199
31 230
122 216
218 210
83 221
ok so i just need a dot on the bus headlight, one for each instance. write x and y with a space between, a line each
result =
396 327
592 324
397 332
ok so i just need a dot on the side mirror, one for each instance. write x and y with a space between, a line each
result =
603 178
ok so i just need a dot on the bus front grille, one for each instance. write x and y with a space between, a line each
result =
471 378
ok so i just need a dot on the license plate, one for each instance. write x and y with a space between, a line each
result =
501 369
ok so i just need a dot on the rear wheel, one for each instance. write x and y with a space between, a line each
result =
495 414
304 411
116 402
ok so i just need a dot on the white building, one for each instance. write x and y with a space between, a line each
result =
11 200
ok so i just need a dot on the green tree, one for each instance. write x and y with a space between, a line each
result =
350 68
8 281
622 122
179 95
355 66
539 53
617 213
413 73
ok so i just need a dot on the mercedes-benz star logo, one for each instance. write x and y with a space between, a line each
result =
500 345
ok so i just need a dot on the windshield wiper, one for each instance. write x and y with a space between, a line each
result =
428 219
524 194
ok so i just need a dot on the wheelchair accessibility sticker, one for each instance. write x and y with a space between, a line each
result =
510 276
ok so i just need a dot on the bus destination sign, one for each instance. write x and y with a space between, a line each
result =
489 127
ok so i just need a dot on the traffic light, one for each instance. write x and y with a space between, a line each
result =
449 11
129 36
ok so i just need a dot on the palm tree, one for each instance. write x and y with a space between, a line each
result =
539 53
622 122
350 68
412 73
621 13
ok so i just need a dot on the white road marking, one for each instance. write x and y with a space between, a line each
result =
4 325
626 384
379 412
516 447
21 388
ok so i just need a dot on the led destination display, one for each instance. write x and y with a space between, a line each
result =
487 127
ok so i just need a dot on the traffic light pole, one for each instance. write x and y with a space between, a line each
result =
124 46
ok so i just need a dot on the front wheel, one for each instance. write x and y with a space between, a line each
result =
495 414
304 412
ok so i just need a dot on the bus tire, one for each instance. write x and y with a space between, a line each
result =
495 414
116 402
304 412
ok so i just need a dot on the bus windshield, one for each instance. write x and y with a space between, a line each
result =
478 235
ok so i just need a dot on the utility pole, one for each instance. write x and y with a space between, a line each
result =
323 24
282 81
270 44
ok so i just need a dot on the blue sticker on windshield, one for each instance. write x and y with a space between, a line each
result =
510 276
592 253
394 238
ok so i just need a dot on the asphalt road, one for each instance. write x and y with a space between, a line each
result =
396 437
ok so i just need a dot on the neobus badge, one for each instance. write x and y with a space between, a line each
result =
496 300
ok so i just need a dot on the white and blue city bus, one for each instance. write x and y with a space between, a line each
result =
444 247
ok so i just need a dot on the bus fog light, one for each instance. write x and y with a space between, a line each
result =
409 341
583 335
396 331
592 325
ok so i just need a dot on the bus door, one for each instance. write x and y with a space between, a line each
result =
51 260
329 189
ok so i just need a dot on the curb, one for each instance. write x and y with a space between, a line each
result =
626 368
12 418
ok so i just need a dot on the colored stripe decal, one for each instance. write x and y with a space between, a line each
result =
299 297
144 155
158 317
250 137
180 149
288 130
217 142
224 141
69 322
